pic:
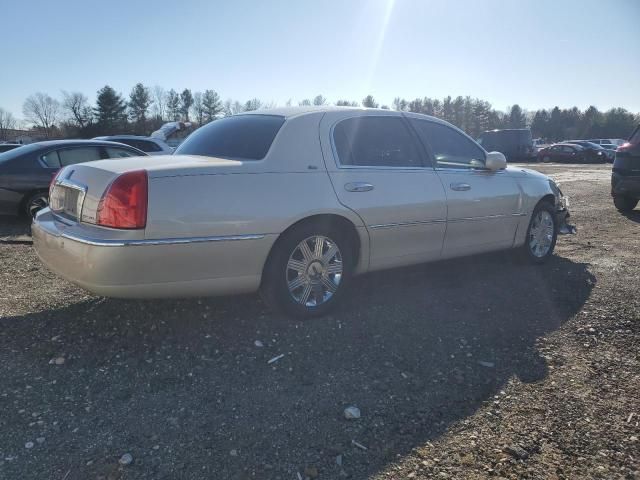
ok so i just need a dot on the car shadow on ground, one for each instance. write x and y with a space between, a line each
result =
417 350
633 215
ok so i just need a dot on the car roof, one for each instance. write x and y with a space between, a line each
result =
289 112
62 143
133 137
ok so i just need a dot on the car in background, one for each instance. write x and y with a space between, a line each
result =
607 141
26 172
625 175
5 147
563 153
514 143
149 145
293 202
597 152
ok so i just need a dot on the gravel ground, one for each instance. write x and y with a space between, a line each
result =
473 368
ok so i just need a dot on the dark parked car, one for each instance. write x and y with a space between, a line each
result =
514 143
625 176
25 172
597 152
562 152
5 147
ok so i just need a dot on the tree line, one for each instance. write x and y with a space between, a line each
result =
146 109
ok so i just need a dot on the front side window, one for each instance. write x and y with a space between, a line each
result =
244 137
376 142
450 148
119 153
71 156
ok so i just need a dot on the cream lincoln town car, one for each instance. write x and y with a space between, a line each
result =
294 203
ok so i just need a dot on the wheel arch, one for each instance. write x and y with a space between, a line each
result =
325 219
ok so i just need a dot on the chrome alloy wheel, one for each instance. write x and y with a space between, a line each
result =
314 271
541 234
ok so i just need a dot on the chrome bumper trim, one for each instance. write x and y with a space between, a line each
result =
136 243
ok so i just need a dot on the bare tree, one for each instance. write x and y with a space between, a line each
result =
159 102
41 110
197 109
77 108
232 107
7 122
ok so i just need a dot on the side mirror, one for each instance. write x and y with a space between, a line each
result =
495 161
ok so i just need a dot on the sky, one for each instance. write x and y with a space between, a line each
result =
537 53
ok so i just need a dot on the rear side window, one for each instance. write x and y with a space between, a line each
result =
376 142
450 148
51 159
245 137
71 156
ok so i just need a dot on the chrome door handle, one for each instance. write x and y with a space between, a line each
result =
358 187
460 187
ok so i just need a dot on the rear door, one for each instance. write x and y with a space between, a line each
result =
484 206
379 170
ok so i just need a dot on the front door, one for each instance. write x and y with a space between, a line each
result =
484 206
379 170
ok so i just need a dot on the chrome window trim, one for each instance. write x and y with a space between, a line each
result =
340 166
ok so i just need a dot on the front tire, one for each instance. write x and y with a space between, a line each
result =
546 159
308 271
542 234
624 204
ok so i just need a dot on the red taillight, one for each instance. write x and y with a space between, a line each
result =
624 147
124 204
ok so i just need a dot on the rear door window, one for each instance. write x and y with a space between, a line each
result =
376 142
450 148
71 156
244 137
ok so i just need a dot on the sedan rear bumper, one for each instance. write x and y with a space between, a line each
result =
159 268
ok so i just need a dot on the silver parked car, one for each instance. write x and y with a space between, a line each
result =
149 145
293 202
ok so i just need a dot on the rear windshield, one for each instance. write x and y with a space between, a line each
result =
634 139
17 152
246 137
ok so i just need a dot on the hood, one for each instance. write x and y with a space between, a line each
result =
526 172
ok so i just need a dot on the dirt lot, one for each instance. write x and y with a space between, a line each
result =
474 368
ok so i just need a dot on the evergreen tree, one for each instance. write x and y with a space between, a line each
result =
139 103
369 102
110 110
211 105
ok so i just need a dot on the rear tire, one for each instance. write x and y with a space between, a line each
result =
624 204
542 234
34 203
308 271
